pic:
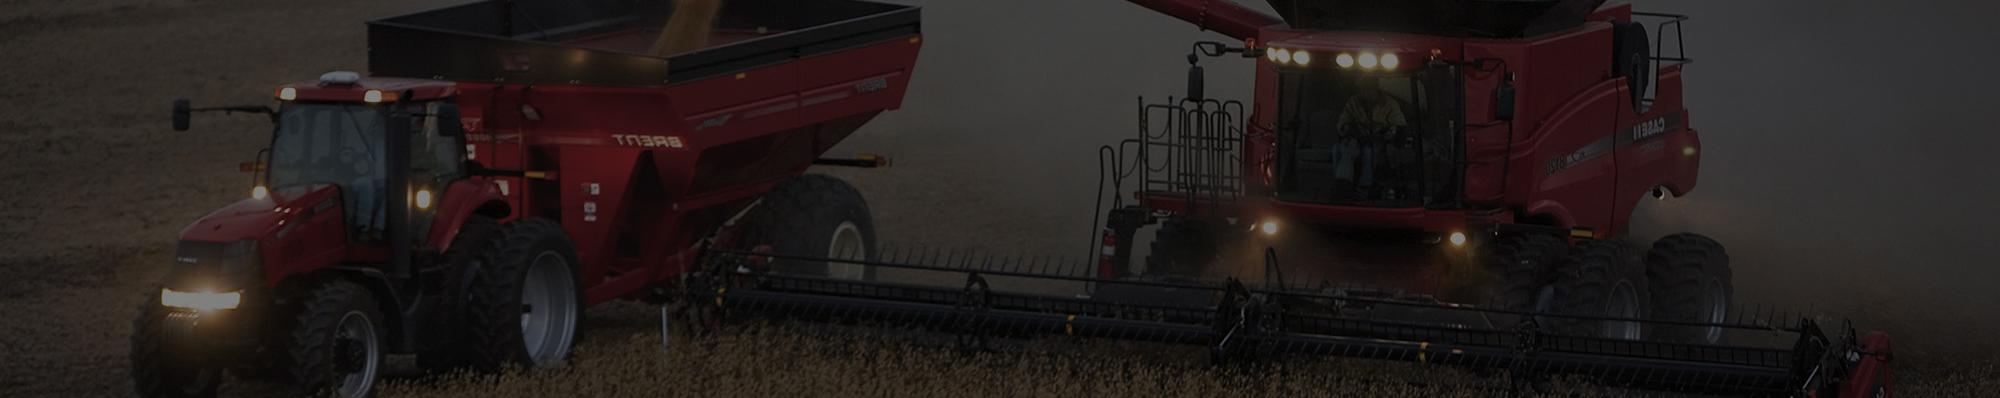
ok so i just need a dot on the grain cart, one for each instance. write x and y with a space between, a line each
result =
506 164
1446 182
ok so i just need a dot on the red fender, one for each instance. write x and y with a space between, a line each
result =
462 200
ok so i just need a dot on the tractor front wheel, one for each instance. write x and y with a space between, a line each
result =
158 367
1601 279
335 348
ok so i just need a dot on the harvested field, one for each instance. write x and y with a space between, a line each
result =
1840 181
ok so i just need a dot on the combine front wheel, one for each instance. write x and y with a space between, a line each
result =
1523 265
1691 283
1605 279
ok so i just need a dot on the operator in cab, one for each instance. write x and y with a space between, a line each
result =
1367 120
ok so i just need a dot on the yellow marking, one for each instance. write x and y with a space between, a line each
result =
1070 328
718 295
1582 233
915 40
740 76
1421 347
539 175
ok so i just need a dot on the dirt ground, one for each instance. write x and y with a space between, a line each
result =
1843 179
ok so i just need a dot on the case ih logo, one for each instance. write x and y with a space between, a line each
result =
1652 128
648 141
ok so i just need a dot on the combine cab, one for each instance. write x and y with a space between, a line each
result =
506 164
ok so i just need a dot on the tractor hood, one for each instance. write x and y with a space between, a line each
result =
254 218
1455 18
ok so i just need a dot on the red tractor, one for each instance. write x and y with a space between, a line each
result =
507 164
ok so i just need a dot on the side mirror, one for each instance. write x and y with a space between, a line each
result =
449 125
1503 101
182 112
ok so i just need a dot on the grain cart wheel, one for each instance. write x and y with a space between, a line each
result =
158 370
815 215
1601 278
1523 265
1691 283
335 347
464 259
1182 247
524 305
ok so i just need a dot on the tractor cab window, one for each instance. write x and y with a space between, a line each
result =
341 144
1363 139
333 143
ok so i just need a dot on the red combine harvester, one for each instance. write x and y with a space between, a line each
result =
507 164
1453 179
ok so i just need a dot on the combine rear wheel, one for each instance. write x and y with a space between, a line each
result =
815 215
1601 278
525 305
336 348
1691 283
158 369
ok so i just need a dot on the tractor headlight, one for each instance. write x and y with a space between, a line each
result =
201 301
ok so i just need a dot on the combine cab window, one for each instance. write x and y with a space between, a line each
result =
338 144
1365 139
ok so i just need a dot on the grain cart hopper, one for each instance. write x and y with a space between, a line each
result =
505 164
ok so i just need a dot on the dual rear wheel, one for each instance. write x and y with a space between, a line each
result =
1607 284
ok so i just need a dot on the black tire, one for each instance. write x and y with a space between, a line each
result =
1523 265
805 217
156 370
464 259
495 338
1631 58
1182 248
1601 278
1691 283
336 347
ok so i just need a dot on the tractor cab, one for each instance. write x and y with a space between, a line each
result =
333 133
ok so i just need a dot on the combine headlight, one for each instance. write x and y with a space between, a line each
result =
288 94
1345 60
1368 60
1284 56
202 301
1302 58
260 192
372 96
1269 227
1390 61
1457 239
1271 54
423 199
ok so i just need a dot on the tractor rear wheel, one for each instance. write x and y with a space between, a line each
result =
815 216
525 305
1601 278
156 369
1691 283
335 349
1523 265
465 259
1182 247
